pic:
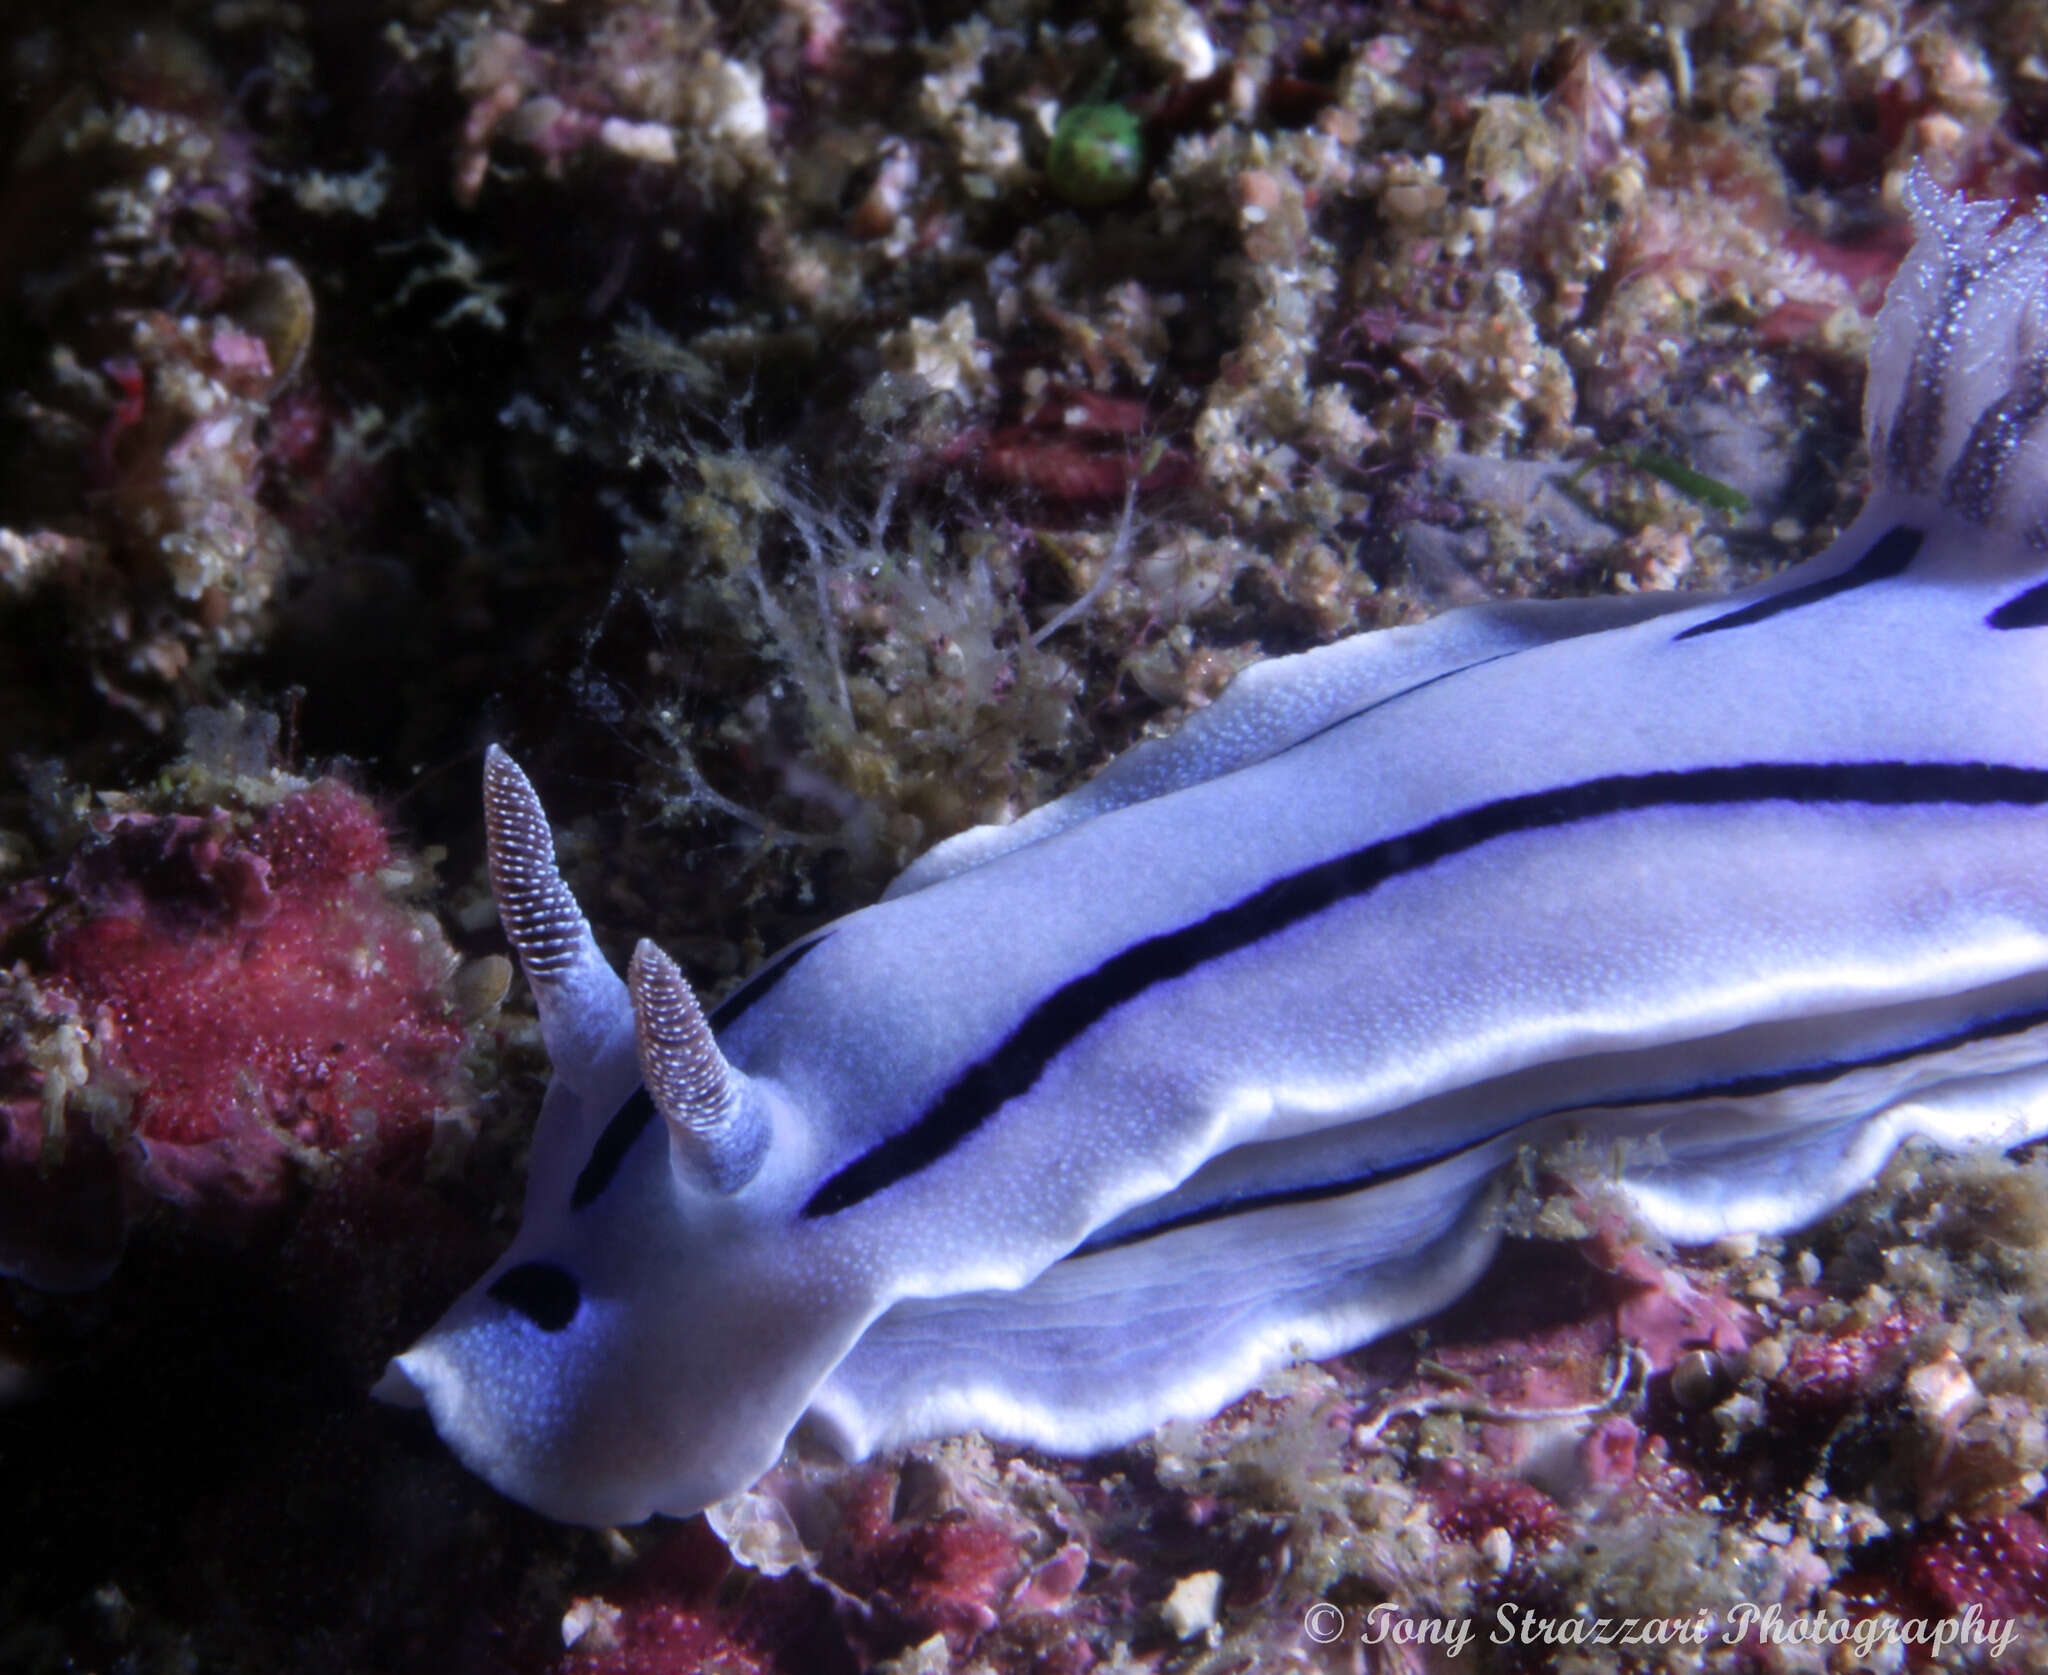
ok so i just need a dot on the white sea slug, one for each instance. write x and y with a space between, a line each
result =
1098 1117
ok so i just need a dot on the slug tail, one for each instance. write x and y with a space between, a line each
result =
1958 387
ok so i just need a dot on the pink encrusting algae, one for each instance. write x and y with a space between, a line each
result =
245 1001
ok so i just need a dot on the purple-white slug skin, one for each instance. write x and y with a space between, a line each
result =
1100 1116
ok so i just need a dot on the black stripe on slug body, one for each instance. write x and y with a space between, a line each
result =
1913 440
611 1148
1736 1088
2023 610
633 1116
1076 1006
1975 484
1888 556
730 1010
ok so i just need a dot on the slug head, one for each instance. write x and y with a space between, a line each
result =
655 1330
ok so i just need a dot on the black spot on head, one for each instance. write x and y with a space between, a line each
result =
544 1292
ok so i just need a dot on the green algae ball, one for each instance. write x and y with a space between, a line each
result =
1097 157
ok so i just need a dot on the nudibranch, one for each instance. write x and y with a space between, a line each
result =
1097 1117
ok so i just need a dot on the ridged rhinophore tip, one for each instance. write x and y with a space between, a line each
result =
700 1096
540 916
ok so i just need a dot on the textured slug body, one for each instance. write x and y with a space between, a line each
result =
1099 1116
